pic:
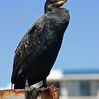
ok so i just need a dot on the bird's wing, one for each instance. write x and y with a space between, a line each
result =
26 46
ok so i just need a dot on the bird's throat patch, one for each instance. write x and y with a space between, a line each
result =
64 0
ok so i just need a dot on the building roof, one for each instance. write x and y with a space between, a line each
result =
86 71
59 75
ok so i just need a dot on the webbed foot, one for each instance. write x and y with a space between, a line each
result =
31 92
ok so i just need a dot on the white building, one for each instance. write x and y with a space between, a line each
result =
76 84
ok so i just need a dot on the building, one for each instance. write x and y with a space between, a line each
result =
76 84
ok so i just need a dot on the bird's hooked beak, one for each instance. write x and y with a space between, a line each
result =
61 2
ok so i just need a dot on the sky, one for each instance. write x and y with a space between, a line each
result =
80 47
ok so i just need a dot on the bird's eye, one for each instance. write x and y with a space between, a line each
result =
49 9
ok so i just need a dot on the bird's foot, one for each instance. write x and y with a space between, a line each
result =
31 92
44 88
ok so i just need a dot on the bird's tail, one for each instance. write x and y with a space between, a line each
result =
19 86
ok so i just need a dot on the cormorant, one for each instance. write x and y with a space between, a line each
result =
38 49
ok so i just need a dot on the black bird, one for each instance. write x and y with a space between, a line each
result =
37 51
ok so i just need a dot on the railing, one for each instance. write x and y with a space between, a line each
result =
49 93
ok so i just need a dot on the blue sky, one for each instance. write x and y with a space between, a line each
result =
80 47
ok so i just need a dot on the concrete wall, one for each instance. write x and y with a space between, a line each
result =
73 88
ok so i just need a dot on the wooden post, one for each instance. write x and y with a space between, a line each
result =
50 93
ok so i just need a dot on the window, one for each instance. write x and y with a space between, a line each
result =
85 88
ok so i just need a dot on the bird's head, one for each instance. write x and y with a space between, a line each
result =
54 3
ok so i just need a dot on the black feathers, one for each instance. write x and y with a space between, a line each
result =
37 51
